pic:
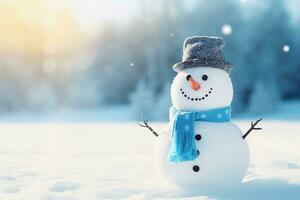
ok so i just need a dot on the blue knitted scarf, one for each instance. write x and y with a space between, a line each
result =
183 146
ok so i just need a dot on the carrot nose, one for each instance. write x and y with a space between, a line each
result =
195 85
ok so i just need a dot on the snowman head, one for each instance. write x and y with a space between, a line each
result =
201 89
202 81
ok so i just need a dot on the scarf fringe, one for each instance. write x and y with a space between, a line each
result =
183 146
176 158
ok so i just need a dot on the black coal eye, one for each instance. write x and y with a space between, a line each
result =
204 77
188 77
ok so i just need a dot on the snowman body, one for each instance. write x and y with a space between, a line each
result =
223 154
223 158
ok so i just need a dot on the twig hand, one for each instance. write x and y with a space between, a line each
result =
145 125
252 128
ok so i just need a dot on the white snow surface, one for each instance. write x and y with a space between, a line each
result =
87 161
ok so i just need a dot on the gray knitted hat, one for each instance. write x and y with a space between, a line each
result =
203 51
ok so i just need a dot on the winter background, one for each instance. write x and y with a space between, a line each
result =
77 75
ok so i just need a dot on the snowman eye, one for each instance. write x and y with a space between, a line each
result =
204 77
188 77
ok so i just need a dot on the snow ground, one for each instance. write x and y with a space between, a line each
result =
90 161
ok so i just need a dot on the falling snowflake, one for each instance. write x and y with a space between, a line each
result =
226 29
286 48
172 35
131 64
243 1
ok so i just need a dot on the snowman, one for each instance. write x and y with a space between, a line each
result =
202 148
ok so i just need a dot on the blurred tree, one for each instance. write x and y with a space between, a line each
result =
265 97
157 46
142 102
263 54
121 59
161 111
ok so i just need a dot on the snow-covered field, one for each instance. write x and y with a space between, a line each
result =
87 161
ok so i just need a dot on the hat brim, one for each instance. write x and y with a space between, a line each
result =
202 63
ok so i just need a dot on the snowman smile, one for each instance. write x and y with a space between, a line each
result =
197 98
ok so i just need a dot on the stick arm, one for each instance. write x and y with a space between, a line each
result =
252 128
146 125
